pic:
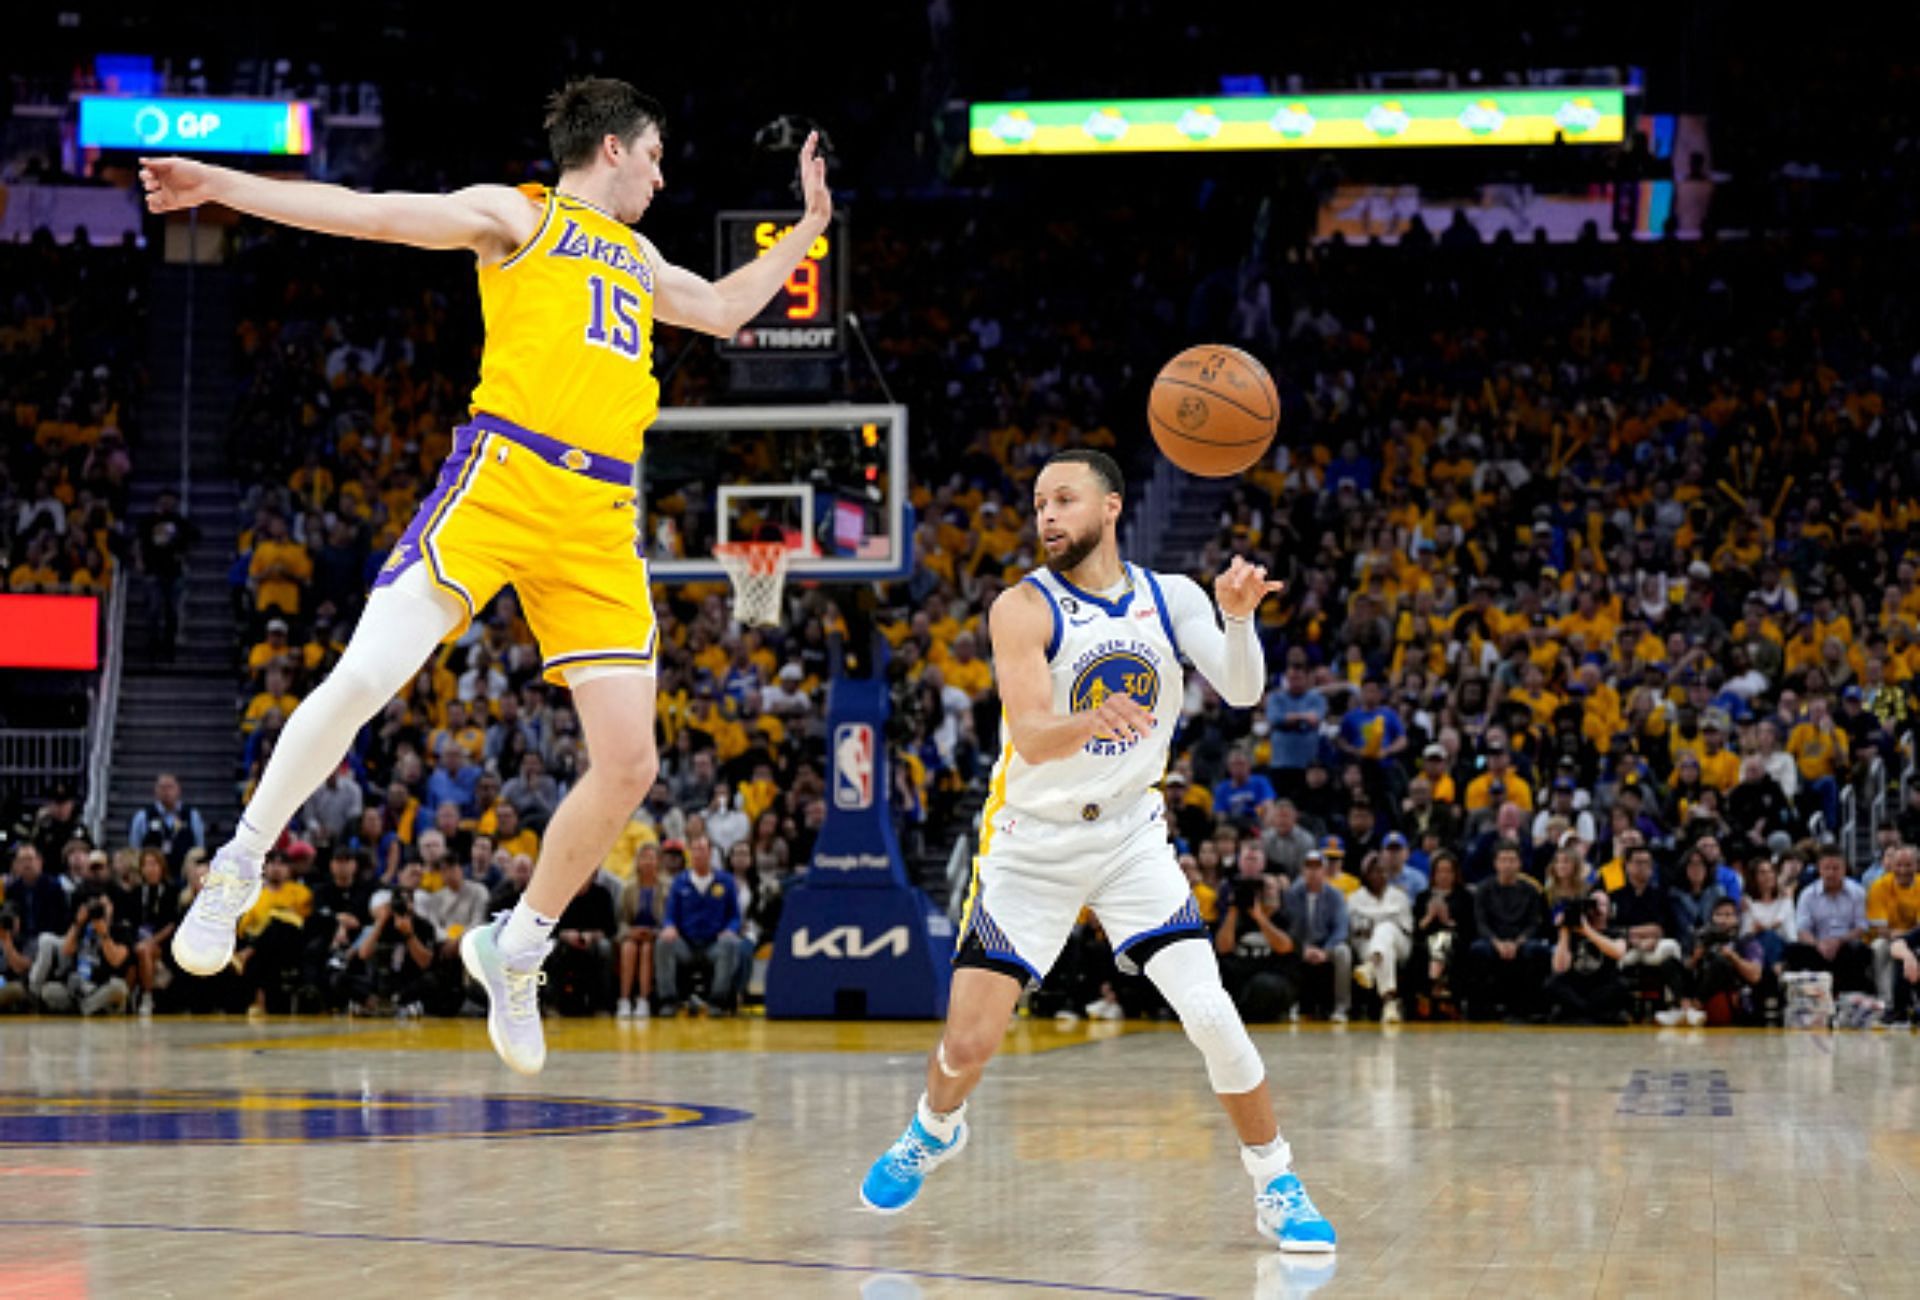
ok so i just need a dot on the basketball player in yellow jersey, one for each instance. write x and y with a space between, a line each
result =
538 491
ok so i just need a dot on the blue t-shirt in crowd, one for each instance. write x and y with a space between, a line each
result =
1244 800
1297 744
1371 731
443 788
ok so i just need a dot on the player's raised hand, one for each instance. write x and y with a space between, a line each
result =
813 180
173 184
1121 717
1242 587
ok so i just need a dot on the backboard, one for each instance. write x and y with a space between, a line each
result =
828 479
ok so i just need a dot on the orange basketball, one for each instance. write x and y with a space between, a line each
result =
1214 410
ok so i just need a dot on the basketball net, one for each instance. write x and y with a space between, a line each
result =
758 571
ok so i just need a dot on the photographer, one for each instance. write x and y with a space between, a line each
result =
1254 947
457 906
340 912
394 957
93 961
1723 970
1585 986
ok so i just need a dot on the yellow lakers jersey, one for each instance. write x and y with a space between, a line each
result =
569 321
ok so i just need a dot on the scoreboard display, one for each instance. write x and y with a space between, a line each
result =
803 319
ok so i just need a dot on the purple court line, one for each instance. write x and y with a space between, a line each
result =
611 1252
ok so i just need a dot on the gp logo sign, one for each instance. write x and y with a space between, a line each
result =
853 766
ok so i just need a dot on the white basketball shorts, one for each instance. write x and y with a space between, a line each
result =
1032 878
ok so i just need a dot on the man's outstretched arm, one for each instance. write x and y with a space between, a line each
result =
489 220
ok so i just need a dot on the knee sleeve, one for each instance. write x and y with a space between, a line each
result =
1189 978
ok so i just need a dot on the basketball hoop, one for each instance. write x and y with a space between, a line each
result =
758 571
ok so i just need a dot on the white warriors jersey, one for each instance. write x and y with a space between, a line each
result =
1100 648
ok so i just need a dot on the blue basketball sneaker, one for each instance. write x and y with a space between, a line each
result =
1285 1213
895 1179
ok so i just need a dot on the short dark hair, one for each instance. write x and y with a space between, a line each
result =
584 112
1098 461
1507 846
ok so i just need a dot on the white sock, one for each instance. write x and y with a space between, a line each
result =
526 933
941 1126
256 842
1267 1162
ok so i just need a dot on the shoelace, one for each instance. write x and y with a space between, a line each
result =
1289 1205
523 994
225 894
909 1156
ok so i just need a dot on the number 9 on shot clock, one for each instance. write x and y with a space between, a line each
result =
804 319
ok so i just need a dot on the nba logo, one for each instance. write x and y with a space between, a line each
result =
853 766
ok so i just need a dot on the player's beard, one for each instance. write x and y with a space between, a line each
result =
1076 553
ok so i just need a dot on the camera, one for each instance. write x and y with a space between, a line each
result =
1247 892
9 916
401 904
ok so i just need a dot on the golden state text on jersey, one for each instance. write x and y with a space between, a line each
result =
1118 666
569 321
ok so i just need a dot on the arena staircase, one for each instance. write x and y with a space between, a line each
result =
1190 520
179 716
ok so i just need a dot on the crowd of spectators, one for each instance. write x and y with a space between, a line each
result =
1603 572
71 371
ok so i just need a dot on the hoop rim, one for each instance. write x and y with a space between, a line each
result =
757 557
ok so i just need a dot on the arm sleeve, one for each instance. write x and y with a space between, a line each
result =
1230 659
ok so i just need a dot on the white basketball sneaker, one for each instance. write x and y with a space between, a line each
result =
513 997
203 945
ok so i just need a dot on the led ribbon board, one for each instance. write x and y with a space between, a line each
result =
56 632
153 124
1582 115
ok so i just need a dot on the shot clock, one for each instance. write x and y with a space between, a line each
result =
804 318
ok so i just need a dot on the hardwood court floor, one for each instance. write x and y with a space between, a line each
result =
335 1160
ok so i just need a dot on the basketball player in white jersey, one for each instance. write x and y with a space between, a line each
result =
1087 656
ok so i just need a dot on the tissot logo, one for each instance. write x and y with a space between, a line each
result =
849 943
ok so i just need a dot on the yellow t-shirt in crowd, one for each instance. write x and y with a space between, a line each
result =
974 677
283 592
1721 770
1819 755
1898 908
289 903
1480 792
259 706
